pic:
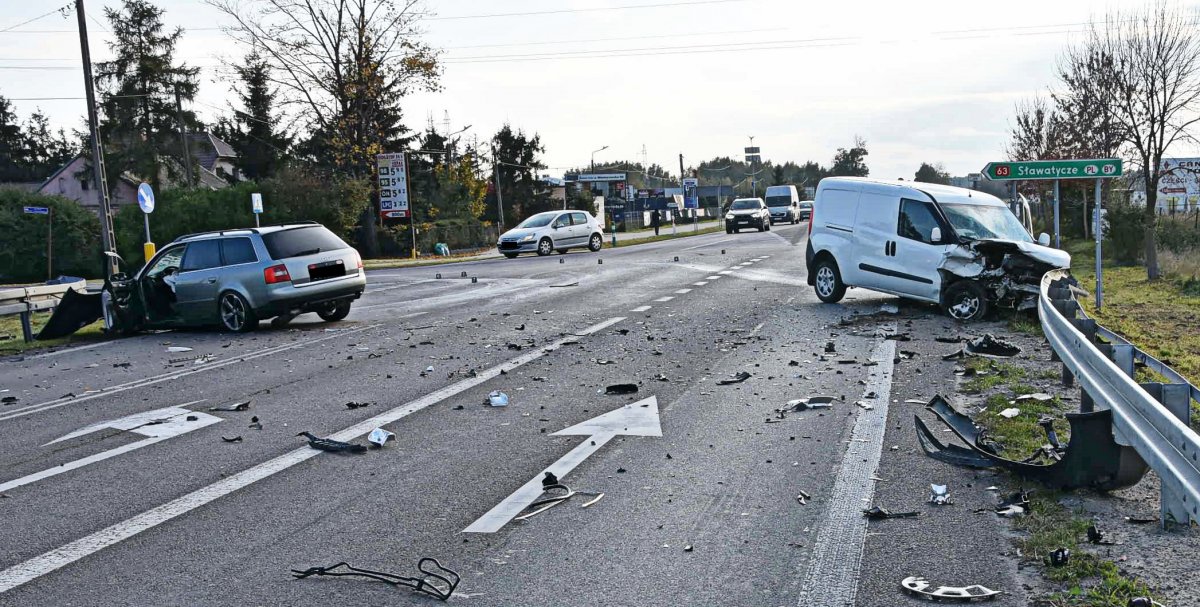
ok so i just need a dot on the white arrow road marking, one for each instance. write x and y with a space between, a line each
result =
636 419
171 422
58 558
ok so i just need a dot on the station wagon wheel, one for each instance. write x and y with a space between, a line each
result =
334 310
595 243
828 281
236 314
965 300
545 247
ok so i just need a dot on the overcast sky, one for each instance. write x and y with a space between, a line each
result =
931 81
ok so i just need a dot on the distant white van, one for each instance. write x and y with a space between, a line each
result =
784 203
959 248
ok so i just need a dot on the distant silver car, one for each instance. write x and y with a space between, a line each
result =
237 277
552 231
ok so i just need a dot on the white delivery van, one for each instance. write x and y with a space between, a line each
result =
962 249
784 203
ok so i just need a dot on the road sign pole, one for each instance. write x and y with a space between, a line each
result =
1098 233
1057 233
50 244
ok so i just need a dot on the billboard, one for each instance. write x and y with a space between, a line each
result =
393 185
691 200
592 177
1179 186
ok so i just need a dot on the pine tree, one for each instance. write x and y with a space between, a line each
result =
255 131
523 192
12 144
46 151
138 87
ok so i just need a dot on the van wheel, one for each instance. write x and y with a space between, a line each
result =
965 300
545 247
828 283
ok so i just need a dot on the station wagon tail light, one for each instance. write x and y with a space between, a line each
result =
277 274
358 261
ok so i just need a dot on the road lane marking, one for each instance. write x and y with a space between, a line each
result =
174 424
664 299
69 350
707 244
714 277
58 558
683 291
635 419
699 284
725 272
641 308
171 375
830 576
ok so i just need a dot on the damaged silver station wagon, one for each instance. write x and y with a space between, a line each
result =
962 249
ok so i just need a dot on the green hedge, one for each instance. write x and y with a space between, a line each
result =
76 243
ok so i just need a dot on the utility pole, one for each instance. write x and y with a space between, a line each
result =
499 196
682 176
100 181
183 138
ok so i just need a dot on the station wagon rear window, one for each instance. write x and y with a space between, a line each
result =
298 242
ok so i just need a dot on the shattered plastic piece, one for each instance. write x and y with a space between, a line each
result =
242 406
621 389
1040 397
549 480
889 309
865 405
435 580
812 402
1095 536
178 349
740 377
990 345
1013 511
919 587
232 439
379 436
1144 601
1139 520
1060 557
875 513
254 424
1010 413
498 399
939 495
356 405
328 444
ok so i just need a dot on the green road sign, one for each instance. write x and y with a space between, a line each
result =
1053 169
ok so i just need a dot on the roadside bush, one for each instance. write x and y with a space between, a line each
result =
458 234
76 243
1179 233
291 197
1124 231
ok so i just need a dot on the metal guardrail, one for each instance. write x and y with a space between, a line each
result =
27 300
1151 417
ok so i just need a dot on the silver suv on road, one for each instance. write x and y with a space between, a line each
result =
238 277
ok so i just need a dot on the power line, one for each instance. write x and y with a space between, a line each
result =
656 48
619 39
584 10
62 10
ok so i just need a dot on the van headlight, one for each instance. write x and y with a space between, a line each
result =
526 238
729 216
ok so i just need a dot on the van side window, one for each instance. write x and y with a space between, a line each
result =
917 220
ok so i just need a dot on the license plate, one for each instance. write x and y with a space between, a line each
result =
325 270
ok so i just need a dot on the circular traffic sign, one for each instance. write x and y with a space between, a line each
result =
146 198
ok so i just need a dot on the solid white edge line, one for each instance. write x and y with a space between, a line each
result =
62 556
69 350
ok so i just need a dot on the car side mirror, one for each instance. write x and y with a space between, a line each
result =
935 235
1044 239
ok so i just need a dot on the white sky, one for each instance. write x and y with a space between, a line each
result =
921 81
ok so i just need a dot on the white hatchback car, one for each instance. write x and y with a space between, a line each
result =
552 231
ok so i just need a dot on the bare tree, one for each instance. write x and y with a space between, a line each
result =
1038 132
344 66
1155 60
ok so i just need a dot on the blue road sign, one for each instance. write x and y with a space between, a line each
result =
146 198
37 210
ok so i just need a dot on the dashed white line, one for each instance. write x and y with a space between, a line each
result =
664 299
725 272
58 558
641 308
683 291
711 277
699 284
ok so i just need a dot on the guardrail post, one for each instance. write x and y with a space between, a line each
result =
26 326
1176 399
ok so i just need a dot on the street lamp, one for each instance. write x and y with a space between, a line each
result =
592 169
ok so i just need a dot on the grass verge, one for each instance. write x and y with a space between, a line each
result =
11 341
1158 316
682 234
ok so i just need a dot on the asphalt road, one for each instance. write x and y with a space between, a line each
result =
699 501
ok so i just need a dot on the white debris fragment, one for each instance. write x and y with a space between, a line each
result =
177 349
939 495
1010 412
498 399
379 436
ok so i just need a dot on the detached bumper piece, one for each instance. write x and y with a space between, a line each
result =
435 580
75 311
1092 458
918 587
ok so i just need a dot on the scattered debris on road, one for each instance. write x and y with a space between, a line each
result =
740 377
618 389
939 495
875 513
990 345
497 399
255 424
1010 412
178 349
379 436
334 446
920 588
803 498
1061 557
232 439
356 405
436 580
240 406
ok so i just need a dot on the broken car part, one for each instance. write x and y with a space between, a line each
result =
740 377
919 587
1092 458
1060 557
1007 273
990 345
335 446
939 495
379 436
435 580
242 406
497 399
875 513
621 389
